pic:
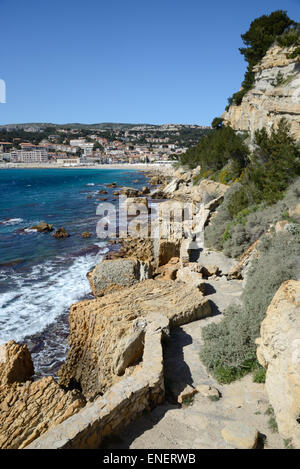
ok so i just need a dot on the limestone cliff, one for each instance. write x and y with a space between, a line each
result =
275 94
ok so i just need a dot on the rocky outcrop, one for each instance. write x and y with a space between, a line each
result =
99 327
27 408
112 274
279 352
61 233
15 363
275 94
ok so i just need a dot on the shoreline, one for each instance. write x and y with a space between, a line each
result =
125 166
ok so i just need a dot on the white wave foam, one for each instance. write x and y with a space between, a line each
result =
11 221
90 184
39 298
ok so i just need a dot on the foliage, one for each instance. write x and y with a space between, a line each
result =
217 123
229 350
260 198
221 147
259 375
261 35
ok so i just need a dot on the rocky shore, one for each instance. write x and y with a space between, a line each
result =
146 291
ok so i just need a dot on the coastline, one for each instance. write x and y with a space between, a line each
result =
126 166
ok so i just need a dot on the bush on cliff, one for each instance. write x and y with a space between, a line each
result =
229 350
261 35
223 146
252 205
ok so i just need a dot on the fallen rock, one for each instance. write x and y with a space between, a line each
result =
155 181
97 327
109 274
187 393
102 191
240 435
130 349
186 275
279 352
15 363
209 270
112 184
42 227
207 391
61 233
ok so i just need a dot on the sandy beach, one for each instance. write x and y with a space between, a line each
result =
128 166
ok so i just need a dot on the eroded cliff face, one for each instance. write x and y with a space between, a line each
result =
275 95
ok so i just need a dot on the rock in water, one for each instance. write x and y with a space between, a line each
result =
42 227
61 233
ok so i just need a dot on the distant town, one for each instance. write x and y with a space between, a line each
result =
83 145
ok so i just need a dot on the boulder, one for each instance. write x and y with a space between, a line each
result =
129 192
207 391
112 184
187 393
166 250
98 326
281 226
155 181
130 348
15 363
295 212
42 227
169 270
279 352
186 275
61 233
111 274
103 191
240 435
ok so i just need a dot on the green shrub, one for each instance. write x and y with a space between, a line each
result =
217 149
229 350
261 35
259 375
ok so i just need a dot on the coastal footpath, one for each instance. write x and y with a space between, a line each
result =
149 295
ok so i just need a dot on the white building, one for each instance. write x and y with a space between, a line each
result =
31 156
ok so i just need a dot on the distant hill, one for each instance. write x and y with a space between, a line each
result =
75 125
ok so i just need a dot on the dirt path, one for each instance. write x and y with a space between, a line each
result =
199 424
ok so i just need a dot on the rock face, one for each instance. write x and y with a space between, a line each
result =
111 274
15 363
28 410
279 353
271 98
99 327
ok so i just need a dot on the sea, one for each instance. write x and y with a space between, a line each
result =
41 276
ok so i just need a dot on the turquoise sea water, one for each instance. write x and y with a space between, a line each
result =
40 276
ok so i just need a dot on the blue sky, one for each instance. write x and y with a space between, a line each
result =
124 60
